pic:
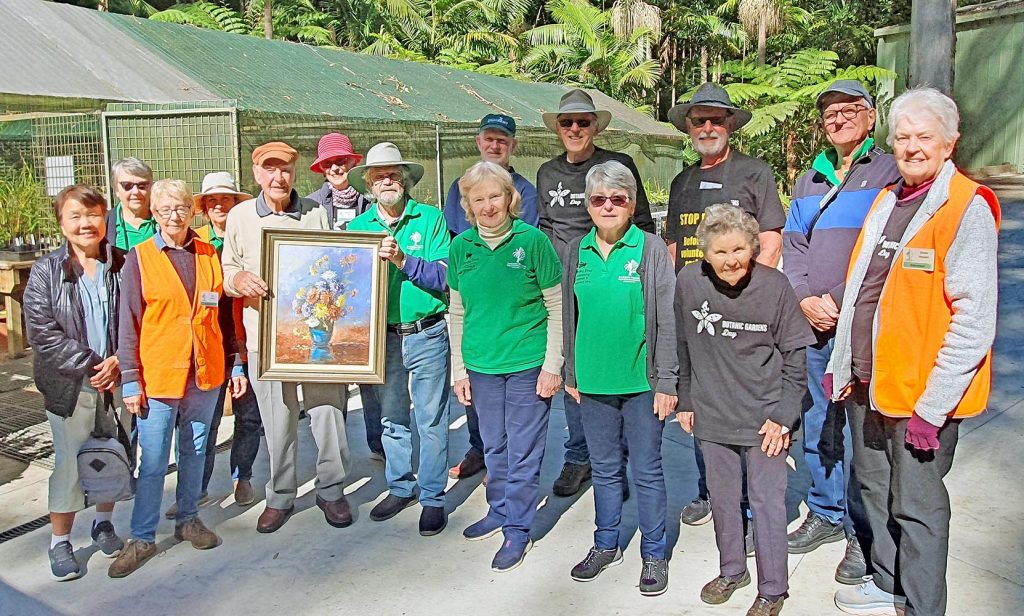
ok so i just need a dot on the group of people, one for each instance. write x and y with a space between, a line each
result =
872 343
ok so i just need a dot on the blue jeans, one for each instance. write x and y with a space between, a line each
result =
514 424
827 495
609 421
245 442
371 417
191 415
418 361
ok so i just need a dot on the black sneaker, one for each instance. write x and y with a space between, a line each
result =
106 539
815 532
654 577
595 562
853 569
390 507
432 521
571 479
63 566
697 512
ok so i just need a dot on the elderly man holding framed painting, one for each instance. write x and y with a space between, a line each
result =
417 347
278 206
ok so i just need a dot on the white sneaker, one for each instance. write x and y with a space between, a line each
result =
867 599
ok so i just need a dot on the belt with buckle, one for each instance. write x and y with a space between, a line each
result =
405 329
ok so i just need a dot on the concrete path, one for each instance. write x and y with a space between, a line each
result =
388 569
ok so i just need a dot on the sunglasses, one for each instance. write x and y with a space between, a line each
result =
617 200
567 123
715 121
128 186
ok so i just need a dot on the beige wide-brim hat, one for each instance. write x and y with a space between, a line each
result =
577 101
384 154
219 183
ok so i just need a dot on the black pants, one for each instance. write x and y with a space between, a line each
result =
906 505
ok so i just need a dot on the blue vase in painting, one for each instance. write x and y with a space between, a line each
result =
320 338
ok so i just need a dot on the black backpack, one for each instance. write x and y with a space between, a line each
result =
104 467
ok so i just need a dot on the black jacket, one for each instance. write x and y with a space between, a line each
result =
55 323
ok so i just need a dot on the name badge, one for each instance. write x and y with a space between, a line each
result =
342 217
209 298
919 259
709 185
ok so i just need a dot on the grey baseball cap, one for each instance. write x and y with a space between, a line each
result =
850 87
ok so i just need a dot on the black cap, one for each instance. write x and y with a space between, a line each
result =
850 87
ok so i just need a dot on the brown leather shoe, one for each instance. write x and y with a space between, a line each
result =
272 519
337 513
721 588
244 495
196 533
132 556
766 607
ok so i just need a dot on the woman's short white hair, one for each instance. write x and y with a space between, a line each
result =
925 101
612 175
176 189
722 218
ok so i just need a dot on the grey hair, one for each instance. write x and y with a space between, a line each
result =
722 218
614 175
132 166
406 176
918 101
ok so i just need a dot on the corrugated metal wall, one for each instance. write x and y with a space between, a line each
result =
988 84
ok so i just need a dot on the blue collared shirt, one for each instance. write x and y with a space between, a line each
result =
455 216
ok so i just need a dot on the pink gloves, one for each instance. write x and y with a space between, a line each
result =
922 435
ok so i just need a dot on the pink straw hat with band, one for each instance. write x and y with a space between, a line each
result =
333 145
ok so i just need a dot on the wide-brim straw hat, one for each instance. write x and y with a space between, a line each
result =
219 183
333 145
708 95
577 101
384 154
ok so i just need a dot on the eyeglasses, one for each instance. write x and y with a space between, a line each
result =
166 212
128 186
849 113
617 200
567 123
715 120
396 178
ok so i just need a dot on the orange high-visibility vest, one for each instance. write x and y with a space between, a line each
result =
914 312
174 326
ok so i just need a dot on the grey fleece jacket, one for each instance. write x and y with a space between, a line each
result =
971 285
658 280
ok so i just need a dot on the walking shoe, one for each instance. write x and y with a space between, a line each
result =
377 455
432 521
337 512
134 554
244 494
390 507
853 568
595 562
484 529
815 532
697 512
106 539
867 599
510 555
196 533
653 577
172 511
471 464
571 479
63 565
764 606
272 519
721 588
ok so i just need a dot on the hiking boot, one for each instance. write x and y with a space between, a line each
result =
244 494
595 562
63 565
196 533
815 532
571 479
484 529
104 537
854 567
654 577
868 599
510 555
763 606
697 512
390 507
721 588
134 554
471 464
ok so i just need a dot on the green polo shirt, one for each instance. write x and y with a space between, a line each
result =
611 344
127 237
420 232
506 323
826 162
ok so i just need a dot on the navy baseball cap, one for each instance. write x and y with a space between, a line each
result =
500 122
850 87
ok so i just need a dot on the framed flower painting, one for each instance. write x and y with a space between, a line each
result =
324 319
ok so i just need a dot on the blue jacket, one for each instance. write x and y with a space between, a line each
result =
455 216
